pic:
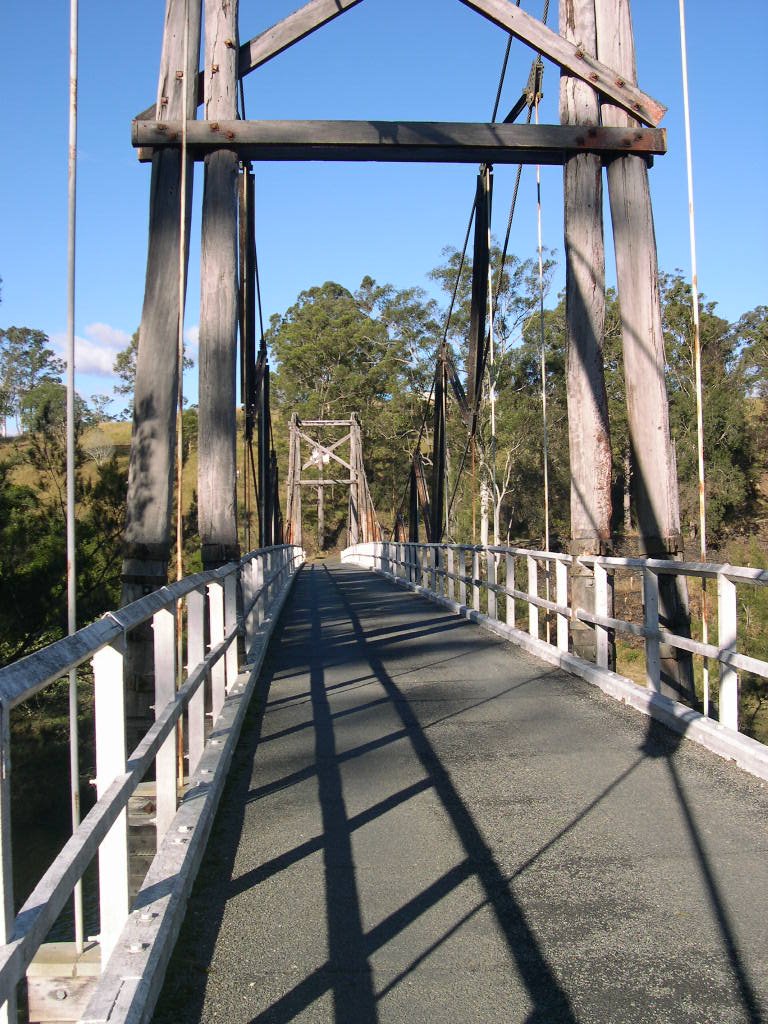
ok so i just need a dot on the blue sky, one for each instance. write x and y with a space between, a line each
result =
386 59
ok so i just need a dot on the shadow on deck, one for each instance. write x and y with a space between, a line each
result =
425 824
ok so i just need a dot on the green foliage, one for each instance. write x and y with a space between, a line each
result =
339 353
26 362
728 443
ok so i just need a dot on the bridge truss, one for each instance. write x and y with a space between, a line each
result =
362 522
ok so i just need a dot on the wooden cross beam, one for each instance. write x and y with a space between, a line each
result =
276 40
325 450
399 141
573 58
529 30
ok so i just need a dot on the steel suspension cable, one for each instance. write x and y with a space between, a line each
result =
74 761
513 205
696 350
182 291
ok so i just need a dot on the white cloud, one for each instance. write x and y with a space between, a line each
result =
95 353
192 338
110 337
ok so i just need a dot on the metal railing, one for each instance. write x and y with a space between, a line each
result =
476 577
214 608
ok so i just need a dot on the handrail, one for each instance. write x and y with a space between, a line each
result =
262 576
432 568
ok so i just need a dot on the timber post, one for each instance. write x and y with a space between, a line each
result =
294 483
355 488
588 427
153 439
219 299
654 468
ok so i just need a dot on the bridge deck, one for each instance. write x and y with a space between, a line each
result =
424 824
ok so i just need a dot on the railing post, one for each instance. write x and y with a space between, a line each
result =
651 621
8 1009
109 707
164 634
434 560
462 577
195 655
492 580
602 636
216 633
249 589
561 597
450 582
476 579
510 585
727 626
258 588
230 627
533 591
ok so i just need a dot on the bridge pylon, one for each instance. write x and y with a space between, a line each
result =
313 472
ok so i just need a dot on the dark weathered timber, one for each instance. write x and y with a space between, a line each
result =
293 484
276 40
218 301
438 452
400 141
622 89
588 430
153 442
637 276
479 296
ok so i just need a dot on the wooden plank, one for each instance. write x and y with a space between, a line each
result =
329 451
290 30
619 87
155 392
637 278
399 141
588 431
276 40
219 301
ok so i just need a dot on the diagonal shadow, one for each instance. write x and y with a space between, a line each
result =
346 951
660 743
550 1000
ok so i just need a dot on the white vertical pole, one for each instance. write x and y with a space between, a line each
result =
218 672
8 1009
258 584
696 351
727 629
651 618
195 655
510 585
533 591
74 764
248 591
491 568
601 608
561 596
230 627
462 577
475 579
109 702
164 635
435 557
450 582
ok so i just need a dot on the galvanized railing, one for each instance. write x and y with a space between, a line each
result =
477 577
216 607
